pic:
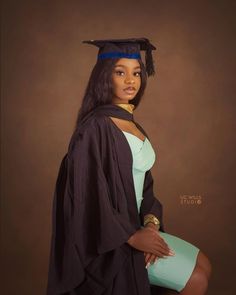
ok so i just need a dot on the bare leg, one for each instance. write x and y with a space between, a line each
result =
198 282
204 263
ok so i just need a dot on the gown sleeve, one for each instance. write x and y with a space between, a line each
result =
150 204
89 235
102 227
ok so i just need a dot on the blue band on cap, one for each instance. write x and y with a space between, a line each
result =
118 55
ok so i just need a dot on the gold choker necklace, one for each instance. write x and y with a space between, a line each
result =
127 106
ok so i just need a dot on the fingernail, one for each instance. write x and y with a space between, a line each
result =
148 265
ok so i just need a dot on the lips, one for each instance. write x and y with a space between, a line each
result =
129 90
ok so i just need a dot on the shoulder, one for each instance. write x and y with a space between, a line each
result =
94 124
91 131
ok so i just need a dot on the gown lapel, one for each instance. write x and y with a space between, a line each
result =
123 156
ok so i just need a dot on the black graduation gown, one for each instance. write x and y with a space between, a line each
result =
95 212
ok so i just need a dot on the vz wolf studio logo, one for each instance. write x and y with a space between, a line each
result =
190 200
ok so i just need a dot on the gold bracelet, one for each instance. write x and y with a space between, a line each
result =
151 219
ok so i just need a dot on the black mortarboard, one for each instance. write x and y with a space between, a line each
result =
126 48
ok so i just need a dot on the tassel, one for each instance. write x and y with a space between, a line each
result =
149 62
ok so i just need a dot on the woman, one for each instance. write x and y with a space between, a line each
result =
108 235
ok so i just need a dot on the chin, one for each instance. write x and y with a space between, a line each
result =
127 97
124 98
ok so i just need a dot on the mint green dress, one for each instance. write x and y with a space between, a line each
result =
171 272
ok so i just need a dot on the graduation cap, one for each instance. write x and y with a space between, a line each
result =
126 48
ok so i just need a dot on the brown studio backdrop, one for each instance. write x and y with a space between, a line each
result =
188 111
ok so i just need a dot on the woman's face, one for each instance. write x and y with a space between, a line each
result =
126 79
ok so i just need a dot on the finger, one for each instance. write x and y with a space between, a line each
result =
160 253
145 254
165 245
152 258
158 239
169 252
156 258
163 242
159 250
147 258
164 250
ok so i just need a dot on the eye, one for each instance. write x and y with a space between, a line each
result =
137 74
119 73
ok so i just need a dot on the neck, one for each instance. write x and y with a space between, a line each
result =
115 110
127 106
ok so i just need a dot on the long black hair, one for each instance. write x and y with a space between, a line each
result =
99 90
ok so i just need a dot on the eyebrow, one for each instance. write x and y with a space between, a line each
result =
138 67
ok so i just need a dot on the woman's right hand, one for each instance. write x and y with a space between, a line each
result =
149 240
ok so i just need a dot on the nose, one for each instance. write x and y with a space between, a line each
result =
129 80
